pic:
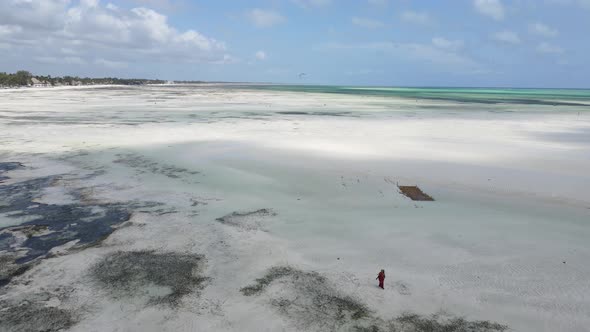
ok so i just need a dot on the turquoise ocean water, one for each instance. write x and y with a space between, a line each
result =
563 97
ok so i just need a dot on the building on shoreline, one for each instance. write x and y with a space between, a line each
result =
39 84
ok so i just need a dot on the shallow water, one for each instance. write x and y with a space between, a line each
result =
505 239
550 97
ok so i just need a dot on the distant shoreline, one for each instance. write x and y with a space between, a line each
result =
62 87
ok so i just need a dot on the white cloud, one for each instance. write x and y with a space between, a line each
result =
46 14
65 50
264 18
549 48
319 3
416 17
542 30
379 3
59 60
162 5
443 43
90 30
361 72
46 59
110 63
506 36
89 3
7 30
585 4
260 55
367 23
312 3
490 8
74 60
227 59
192 38
441 58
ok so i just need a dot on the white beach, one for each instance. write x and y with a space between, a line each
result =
505 240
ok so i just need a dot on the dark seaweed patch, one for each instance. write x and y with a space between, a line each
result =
293 113
442 323
69 223
247 220
314 303
146 165
19 195
8 166
5 241
334 114
274 273
320 113
310 302
31 316
125 274
62 223
9 269
50 225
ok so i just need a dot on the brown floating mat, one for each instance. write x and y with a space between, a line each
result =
415 193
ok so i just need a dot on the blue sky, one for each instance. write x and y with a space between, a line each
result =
519 43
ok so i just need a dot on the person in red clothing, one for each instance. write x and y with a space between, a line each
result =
381 278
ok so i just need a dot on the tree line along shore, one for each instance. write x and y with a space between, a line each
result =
23 78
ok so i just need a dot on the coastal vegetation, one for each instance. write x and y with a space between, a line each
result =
25 78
